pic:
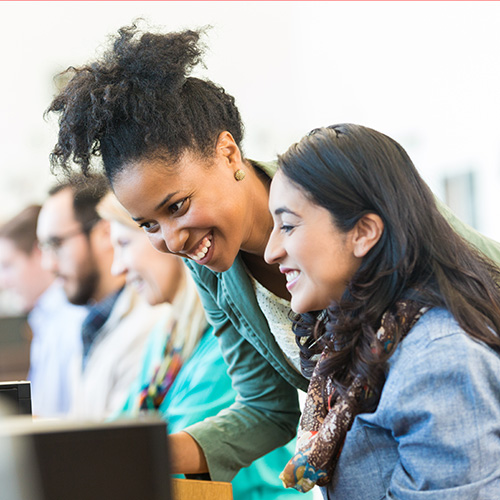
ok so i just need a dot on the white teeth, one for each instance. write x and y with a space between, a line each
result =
203 250
291 275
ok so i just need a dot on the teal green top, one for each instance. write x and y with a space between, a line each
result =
266 411
201 389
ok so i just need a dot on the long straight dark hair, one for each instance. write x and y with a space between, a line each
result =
352 170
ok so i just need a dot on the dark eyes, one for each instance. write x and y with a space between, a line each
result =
286 228
177 208
149 227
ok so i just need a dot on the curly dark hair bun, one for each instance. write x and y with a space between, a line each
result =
139 101
138 56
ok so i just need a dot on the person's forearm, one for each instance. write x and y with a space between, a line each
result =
186 455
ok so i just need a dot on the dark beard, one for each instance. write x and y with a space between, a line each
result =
86 289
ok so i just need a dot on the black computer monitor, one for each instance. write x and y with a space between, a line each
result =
122 460
17 395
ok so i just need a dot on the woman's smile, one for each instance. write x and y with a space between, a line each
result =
292 275
204 251
197 209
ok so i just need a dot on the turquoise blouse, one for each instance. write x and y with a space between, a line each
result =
202 389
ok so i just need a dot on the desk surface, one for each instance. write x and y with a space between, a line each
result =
189 489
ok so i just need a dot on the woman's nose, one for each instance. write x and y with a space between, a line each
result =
176 239
170 240
118 267
274 251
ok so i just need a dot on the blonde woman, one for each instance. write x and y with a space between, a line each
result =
183 377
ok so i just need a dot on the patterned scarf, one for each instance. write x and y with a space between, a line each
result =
328 416
153 393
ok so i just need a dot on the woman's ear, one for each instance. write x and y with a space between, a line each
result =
367 232
227 148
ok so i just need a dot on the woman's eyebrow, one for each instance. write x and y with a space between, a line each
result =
165 200
161 204
284 210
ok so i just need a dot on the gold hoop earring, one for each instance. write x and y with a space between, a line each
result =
239 175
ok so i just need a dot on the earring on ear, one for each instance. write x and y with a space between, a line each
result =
239 175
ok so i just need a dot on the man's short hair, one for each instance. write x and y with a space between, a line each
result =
21 229
88 190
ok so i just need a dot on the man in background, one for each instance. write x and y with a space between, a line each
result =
77 248
54 322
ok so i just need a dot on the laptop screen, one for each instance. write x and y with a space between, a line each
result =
17 394
121 460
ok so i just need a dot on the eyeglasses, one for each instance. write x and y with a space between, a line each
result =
55 243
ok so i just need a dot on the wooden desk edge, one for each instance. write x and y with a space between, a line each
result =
191 489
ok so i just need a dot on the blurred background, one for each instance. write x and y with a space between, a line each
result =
425 73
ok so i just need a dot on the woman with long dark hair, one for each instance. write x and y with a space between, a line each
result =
170 144
404 399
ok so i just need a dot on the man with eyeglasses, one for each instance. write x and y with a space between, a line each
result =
55 323
76 247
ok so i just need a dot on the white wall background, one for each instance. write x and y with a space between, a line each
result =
426 73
